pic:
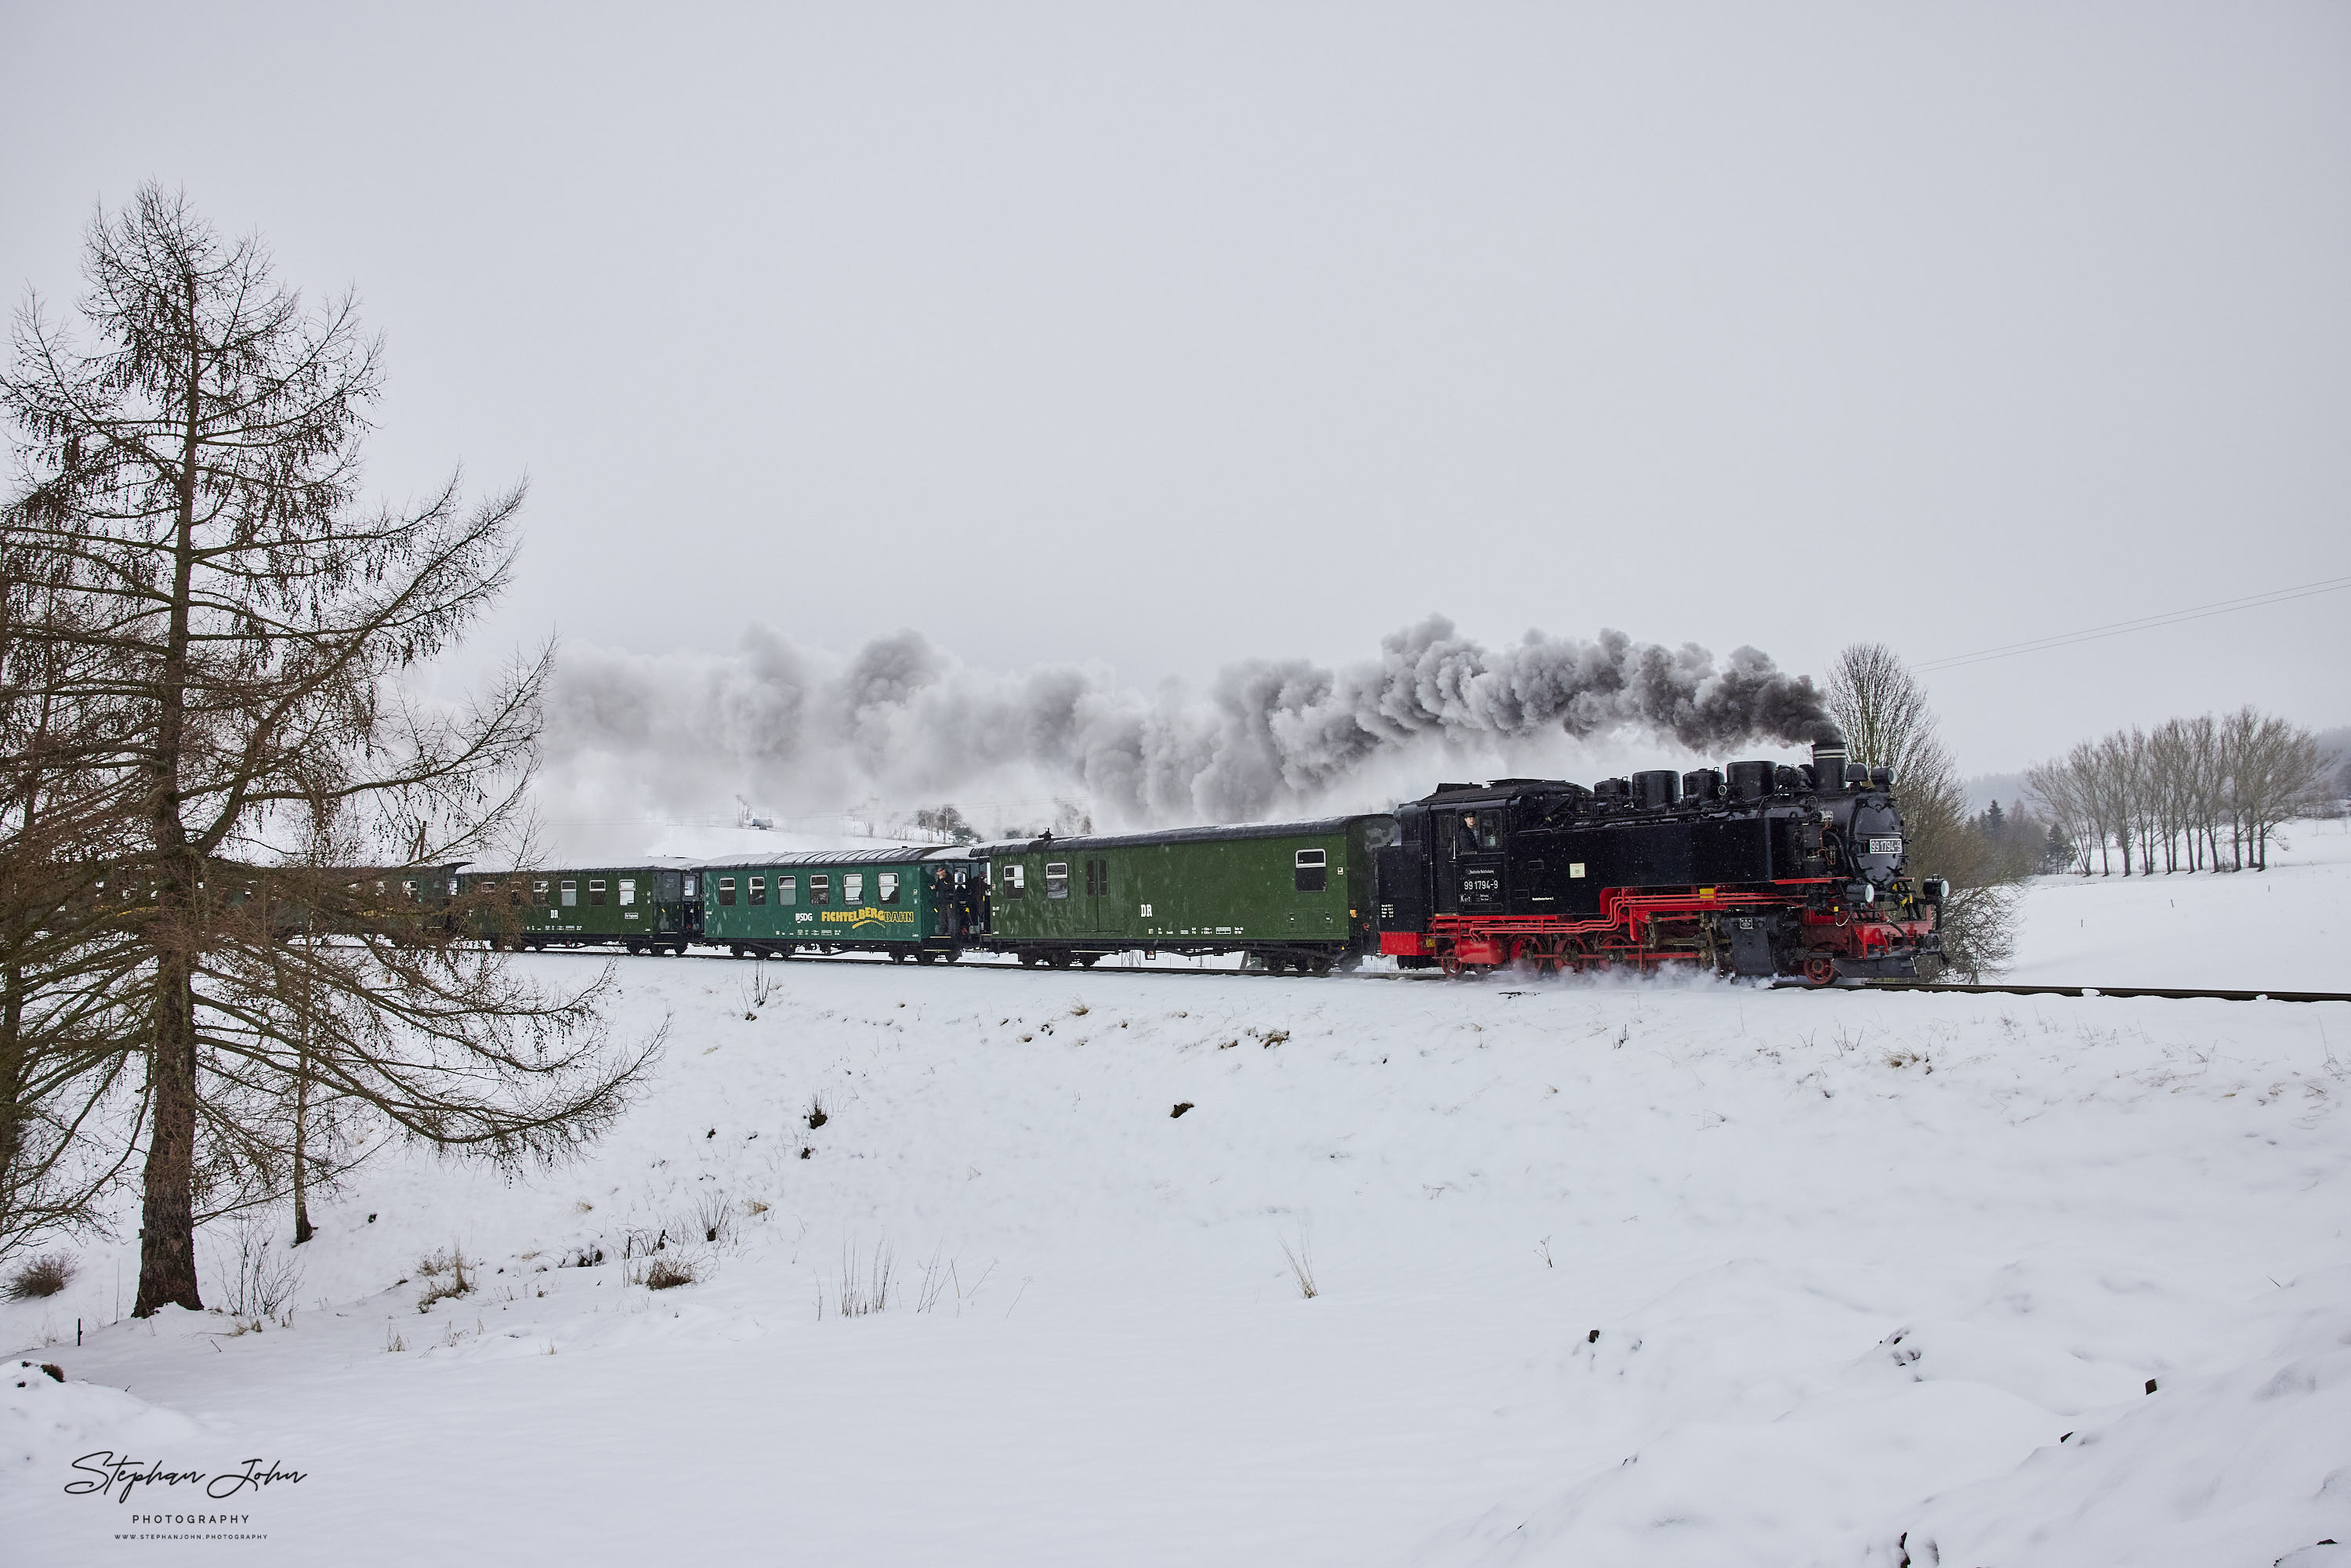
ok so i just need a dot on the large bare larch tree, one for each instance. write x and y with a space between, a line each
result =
229 677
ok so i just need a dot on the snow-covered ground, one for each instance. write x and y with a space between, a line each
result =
2289 927
1606 1273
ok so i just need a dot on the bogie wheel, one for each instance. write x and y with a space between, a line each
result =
923 955
1088 960
1819 969
1058 959
1320 968
636 949
737 949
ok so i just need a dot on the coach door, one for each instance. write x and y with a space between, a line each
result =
1109 914
1469 863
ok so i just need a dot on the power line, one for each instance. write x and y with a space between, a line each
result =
2143 623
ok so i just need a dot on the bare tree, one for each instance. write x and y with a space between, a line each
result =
2066 790
61 940
2277 773
193 472
1887 723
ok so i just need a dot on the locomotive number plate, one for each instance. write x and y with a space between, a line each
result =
1886 846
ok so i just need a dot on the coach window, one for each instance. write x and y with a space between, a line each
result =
853 886
786 888
887 881
669 887
1310 870
538 893
1013 883
727 890
758 890
628 890
596 891
820 890
1057 879
570 893
408 890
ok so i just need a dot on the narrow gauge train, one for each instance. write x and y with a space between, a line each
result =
1766 870
1773 870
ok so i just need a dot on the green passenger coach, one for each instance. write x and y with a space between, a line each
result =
646 909
905 902
1291 896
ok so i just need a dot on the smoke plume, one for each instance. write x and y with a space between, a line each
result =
902 720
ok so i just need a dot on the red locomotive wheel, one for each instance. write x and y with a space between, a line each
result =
1819 969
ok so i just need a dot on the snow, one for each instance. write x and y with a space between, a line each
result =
2289 927
1856 1264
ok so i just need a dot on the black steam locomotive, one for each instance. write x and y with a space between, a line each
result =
1762 869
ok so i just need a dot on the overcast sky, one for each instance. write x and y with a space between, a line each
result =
1165 335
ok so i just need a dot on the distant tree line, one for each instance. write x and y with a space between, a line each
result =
2195 794
2024 843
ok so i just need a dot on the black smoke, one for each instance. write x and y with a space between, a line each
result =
903 720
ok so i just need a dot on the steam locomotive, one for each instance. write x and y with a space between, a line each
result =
1766 870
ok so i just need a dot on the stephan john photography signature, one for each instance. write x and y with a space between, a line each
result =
102 1471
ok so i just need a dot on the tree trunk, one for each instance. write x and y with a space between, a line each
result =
302 1110
13 1067
167 1238
167 1249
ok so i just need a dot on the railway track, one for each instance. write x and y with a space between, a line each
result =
2168 993
1986 989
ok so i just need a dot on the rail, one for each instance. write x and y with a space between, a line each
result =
1993 987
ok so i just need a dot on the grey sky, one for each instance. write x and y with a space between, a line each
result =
1164 336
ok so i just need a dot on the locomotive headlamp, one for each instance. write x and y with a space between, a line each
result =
1861 892
1933 889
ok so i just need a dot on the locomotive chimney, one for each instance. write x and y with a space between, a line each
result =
1828 760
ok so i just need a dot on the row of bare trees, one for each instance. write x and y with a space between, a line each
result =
203 633
2195 794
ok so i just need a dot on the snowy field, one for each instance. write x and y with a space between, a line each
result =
2289 927
1651 1273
